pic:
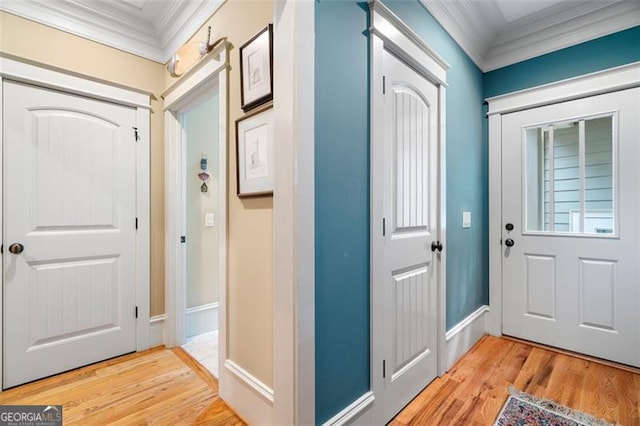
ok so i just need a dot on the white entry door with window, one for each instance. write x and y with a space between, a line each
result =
69 269
410 188
571 235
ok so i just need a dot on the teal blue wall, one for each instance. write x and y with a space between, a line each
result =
606 52
342 192
341 205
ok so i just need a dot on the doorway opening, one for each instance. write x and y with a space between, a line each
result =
196 206
200 204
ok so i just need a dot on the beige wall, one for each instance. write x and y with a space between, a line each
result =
250 236
250 251
36 42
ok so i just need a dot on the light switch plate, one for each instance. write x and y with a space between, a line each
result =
466 219
209 220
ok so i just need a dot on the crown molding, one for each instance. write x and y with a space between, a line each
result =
492 44
127 30
455 21
559 28
179 24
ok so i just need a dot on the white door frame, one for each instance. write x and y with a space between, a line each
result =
15 69
293 213
389 33
619 78
209 73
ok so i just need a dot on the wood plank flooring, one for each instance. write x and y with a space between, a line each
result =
158 386
167 387
474 390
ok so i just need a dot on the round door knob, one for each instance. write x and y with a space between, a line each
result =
509 242
436 245
16 248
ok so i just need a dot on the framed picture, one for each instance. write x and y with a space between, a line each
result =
254 154
256 69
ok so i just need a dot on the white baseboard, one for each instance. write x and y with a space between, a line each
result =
247 396
354 413
156 330
201 319
464 335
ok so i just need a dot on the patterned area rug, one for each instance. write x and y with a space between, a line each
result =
522 409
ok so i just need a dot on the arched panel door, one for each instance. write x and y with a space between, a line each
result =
69 232
411 227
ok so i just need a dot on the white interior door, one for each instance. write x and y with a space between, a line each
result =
570 197
69 201
411 226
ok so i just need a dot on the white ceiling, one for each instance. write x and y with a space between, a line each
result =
494 33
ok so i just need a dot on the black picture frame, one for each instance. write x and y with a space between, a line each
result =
256 70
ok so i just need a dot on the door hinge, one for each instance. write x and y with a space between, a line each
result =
183 239
136 223
384 368
136 312
384 227
384 85
135 132
2 249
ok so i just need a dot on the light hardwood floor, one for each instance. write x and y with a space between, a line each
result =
158 386
474 390
166 387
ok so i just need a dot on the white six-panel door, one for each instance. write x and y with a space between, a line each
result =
411 226
69 200
570 182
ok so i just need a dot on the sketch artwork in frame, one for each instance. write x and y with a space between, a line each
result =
254 154
256 70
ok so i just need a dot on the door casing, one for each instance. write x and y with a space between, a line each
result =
389 33
43 76
610 80
210 72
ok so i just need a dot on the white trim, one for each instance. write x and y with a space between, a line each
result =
472 35
1 228
389 33
251 399
557 28
618 78
294 213
402 41
614 79
352 411
376 162
143 234
157 331
462 325
154 36
262 390
442 202
178 27
201 319
494 321
30 73
174 265
196 77
491 43
24 71
464 335
211 72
